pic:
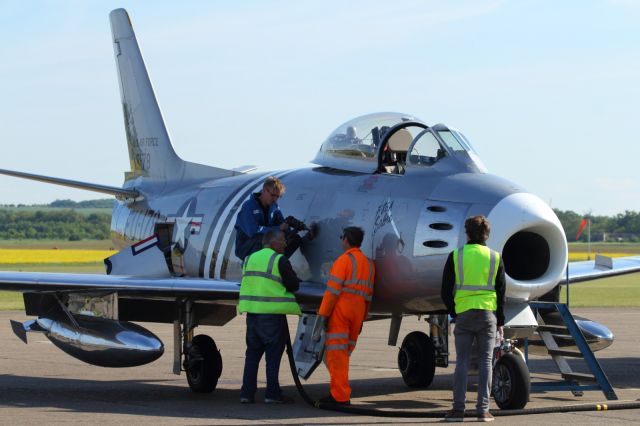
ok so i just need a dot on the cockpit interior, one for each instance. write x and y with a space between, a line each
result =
392 144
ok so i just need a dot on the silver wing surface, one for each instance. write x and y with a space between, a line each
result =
602 267
196 289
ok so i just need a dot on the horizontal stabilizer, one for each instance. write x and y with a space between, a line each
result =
144 259
120 193
245 169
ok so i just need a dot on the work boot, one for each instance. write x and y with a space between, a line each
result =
485 416
454 416
330 400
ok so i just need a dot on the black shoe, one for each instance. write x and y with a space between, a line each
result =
330 400
454 416
282 399
246 400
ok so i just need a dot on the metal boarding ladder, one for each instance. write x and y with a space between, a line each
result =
572 380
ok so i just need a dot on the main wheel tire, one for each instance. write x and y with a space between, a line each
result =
417 360
203 365
510 386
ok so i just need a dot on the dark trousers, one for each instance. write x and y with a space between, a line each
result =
266 334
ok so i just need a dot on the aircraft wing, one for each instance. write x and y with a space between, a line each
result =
141 288
602 267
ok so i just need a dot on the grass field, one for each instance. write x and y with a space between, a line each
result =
77 257
622 291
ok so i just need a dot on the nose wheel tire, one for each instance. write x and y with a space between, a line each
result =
203 364
416 360
510 386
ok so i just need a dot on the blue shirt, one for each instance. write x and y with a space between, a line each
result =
253 221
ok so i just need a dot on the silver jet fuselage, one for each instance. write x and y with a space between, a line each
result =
411 221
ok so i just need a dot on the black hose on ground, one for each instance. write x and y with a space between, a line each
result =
440 413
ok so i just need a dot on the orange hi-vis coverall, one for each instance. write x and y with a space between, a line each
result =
346 303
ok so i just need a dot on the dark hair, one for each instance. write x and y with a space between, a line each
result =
354 235
270 236
477 229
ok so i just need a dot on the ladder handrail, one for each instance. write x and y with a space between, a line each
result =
575 332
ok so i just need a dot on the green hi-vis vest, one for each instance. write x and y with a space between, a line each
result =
476 268
261 289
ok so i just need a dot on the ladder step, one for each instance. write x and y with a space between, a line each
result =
560 352
579 377
553 328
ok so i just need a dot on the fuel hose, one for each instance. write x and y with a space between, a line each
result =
440 413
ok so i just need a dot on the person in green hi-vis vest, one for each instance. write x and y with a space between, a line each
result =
473 289
266 296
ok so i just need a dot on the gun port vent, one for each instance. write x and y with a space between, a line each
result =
435 243
441 226
437 209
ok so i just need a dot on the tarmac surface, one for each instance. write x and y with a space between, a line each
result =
40 384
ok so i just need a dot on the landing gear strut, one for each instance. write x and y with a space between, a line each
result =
202 360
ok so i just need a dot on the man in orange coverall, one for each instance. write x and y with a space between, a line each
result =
344 307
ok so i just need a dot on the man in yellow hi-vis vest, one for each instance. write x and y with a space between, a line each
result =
266 295
473 289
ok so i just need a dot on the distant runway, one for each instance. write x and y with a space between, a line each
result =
41 385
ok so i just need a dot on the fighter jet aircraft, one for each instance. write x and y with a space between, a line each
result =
410 185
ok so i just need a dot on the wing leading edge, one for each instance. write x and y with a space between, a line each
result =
142 288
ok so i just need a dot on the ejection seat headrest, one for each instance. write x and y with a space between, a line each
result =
400 141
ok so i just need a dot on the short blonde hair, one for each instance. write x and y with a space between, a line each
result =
274 184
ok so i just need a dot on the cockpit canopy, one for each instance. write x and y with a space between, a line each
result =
391 143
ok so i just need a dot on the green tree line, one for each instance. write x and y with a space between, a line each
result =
623 227
62 224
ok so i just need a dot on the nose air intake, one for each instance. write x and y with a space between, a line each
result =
532 242
526 256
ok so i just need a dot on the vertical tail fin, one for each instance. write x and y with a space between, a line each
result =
150 151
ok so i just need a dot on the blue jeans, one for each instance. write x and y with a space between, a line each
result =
478 325
266 334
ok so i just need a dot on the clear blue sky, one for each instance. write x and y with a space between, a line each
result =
548 92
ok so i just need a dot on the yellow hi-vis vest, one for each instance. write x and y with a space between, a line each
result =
261 289
476 268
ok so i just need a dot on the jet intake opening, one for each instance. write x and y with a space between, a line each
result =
526 256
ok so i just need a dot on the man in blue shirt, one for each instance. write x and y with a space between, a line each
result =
261 213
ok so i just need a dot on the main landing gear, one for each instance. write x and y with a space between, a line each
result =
202 360
420 354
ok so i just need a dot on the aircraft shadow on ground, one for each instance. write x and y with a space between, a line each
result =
164 399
